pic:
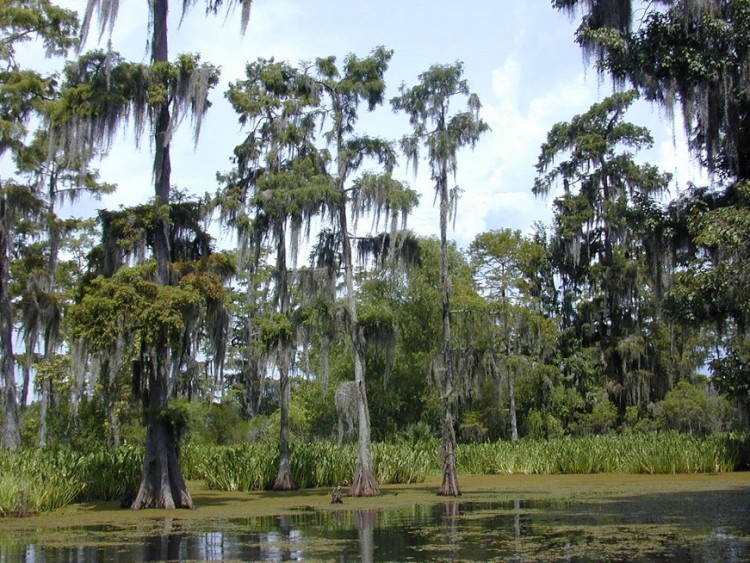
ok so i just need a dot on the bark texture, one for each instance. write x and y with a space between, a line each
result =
162 484
284 480
450 474
11 437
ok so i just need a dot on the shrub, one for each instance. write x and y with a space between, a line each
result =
694 409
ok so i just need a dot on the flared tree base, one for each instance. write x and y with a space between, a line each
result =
284 481
163 487
364 485
145 499
162 484
450 487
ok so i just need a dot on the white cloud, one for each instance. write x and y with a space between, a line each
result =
501 172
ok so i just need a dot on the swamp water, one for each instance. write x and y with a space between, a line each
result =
500 518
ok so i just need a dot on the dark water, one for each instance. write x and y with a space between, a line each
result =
670 527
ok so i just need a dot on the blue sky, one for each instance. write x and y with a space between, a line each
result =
519 56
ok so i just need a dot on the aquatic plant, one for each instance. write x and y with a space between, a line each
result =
110 475
246 467
318 464
658 452
39 480
405 463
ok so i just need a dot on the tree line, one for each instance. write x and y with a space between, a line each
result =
628 312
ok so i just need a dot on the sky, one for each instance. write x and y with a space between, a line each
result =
519 56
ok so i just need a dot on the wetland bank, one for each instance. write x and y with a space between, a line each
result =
699 517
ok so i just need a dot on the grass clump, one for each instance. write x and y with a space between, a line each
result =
658 452
38 481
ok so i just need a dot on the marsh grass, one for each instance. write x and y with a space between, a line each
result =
110 475
655 453
405 463
43 480
252 467
38 481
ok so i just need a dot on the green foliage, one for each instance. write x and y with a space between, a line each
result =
52 478
131 302
417 433
43 480
102 92
691 52
24 92
266 426
24 20
691 409
601 420
664 452
46 479
111 475
471 427
542 424
612 258
405 462
215 424
317 404
315 464
233 468
275 329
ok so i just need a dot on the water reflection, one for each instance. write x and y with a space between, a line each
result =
450 526
639 529
165 546
366 528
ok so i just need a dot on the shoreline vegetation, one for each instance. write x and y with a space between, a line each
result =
35 481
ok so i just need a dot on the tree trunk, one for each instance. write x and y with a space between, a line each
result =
284 481
162 134
513 418
44 401
364 483
450 475
51 334
450 487
162 484
11 437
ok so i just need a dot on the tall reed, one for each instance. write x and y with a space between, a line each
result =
663 452
38 481
41 480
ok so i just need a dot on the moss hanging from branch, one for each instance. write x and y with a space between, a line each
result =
102 93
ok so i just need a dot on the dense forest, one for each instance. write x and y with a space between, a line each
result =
329 320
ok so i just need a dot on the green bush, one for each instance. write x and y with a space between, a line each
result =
693 409
215 423
318 464
35 480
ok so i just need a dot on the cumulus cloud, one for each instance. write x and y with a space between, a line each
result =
501 172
